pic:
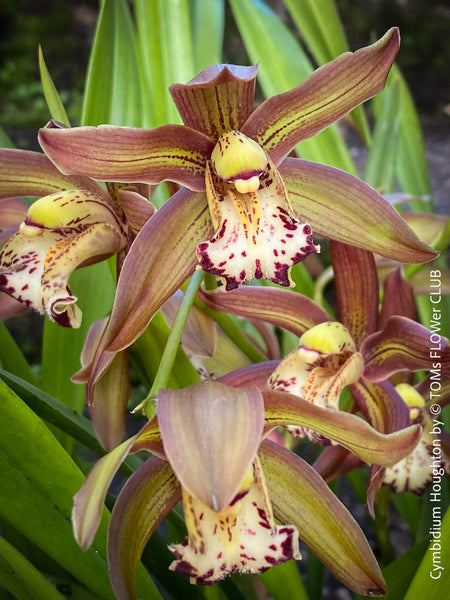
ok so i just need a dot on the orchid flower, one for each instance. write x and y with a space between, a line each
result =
74 223
363 350
233 486
231 158
430 459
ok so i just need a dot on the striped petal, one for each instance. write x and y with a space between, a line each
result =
218 99
301 496
129 154
346 429
283 308
161 258
220 428
341 207
26 173
12 212
357 304
402 344
146 498
331 92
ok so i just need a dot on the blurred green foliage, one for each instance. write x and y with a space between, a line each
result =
65 30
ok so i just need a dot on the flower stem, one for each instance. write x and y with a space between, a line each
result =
173 341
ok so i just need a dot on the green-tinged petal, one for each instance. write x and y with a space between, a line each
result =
357 303
136 207
300 496
90 346
26 173
256 374
402 344
219 428
398 297
161 257
341 207
326 96
335 461
147 497
346 429
12 212
218 99
283 308
381 405
88 501
128 154
109 397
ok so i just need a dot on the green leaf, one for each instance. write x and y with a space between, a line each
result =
113 90
284 582
166 54
22 578
58 414
320 26
411 167
319 23
62 346
155 94
176 49
54 103
5 141
380 165
432 578
11 357
208 17
399 573
41 478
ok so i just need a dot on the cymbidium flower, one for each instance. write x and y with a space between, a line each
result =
362 351
430 459
74 223
232 157
209 449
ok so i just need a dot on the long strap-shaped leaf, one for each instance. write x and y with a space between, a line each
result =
113 89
